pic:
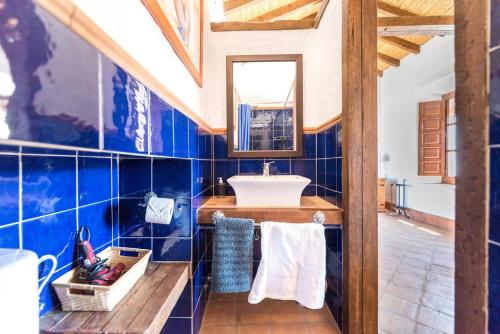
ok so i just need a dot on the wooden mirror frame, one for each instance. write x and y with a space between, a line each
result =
298 117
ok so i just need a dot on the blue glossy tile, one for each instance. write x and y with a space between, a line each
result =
321 145
279 167
9 149
133 218
204 145
180 225
99 219
94 180
94 154
225 168
125 110
330 142
177 326
494 289
339 175
196 178
115 178
495 194
206 173
199 280
116 220
181 135
321 170
309 146
49 185
310 190
183 306
338 139
9 236
495 97
9 189
47 151
162 129
60 229
172 178
171 249
42 57
321 191
199 312
220 147
135 177
143 243
331 174
193 139
306 168
495 23
250 166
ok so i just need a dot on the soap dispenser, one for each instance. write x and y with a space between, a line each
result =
220 188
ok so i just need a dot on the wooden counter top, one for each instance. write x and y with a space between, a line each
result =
303 214
145 309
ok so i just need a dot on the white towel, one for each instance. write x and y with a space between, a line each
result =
159 210
293 264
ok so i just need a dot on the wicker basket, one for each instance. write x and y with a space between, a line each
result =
76 296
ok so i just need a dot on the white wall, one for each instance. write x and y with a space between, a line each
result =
422 77
130 25
321 48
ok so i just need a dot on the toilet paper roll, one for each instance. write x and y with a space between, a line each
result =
159 210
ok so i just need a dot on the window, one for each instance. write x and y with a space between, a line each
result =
451 137
437 138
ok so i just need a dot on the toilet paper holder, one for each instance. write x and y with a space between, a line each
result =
178 203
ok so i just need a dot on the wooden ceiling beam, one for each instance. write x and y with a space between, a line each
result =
274 25
320 13
393 10
416 25
231 6
280 11
388 59
401 43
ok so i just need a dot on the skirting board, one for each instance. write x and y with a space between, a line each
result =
427 218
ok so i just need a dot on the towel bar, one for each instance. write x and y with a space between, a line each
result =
318 217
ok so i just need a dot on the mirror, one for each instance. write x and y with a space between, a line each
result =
264 106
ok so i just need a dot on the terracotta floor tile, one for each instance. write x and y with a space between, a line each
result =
225 297
285 312
255 329
219 329
220 313
253 313
323 328
321 315
290 328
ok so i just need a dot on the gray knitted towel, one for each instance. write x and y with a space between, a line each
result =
233 254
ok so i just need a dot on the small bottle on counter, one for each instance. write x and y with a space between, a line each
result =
220 188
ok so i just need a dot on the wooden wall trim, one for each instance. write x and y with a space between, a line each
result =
472 186
359 114
71 16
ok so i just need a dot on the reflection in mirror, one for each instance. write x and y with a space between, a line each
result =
265 106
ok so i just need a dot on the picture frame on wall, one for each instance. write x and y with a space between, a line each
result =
181 21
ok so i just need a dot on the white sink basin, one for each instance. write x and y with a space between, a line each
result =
268 191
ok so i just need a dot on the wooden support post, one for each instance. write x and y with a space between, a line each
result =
359 121
472 188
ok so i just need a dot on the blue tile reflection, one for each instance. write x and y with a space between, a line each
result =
49 185
162 131
9 189
181 139
42 57
94 180
125 110
9 236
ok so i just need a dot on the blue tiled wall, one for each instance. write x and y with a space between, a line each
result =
494 238
116 140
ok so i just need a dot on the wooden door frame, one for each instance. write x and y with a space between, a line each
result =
359 112
359 131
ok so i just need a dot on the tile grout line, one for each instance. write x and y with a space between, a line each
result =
77 199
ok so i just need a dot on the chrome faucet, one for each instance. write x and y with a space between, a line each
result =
265 169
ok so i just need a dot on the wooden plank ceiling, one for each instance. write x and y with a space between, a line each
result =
403 25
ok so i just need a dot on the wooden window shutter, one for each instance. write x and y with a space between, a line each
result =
431 139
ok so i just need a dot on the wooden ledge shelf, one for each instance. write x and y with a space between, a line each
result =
144 310
303 214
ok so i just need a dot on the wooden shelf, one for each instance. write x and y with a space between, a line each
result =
144 310
303 214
